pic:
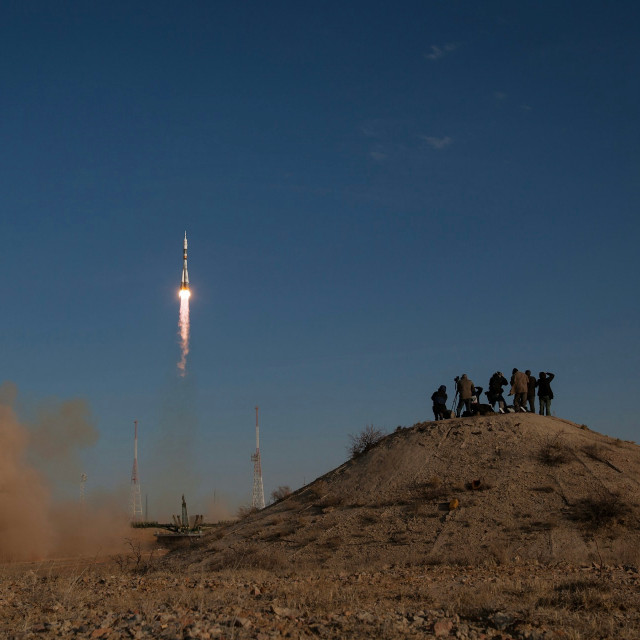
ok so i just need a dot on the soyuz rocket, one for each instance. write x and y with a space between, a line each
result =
184 285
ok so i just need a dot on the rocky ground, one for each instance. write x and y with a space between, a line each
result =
511 527
523 601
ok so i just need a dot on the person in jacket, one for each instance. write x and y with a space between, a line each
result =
532 383
495 392
439 399
476 396
545 395
519 389
465 388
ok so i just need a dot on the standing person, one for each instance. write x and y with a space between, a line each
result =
532 383
519 388
494 394
465 389
545 395
439 399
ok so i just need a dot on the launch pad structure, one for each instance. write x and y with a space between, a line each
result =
257 498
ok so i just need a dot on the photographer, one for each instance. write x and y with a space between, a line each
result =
465 388
439 399
519 388
495 392
545 395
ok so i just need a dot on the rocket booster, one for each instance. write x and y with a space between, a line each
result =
184 284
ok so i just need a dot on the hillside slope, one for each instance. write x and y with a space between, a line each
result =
527 487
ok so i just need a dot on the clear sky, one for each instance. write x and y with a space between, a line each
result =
378 195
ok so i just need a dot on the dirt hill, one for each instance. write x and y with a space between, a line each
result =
497 488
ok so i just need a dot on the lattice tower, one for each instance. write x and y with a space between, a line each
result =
83 481
257 498
136 494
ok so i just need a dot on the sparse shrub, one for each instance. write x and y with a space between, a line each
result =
280 493
134 561
553 452
331 501
595 452
318 489
333 542
580 595
600 511
245 511
434 482
364 441
369 518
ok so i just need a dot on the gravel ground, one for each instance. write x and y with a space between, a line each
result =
523 601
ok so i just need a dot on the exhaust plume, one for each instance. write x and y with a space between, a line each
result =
183 326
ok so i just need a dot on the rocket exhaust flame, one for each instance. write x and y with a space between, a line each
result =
183 323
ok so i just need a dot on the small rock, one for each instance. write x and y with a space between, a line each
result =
501 620
365 616
442 627
282 611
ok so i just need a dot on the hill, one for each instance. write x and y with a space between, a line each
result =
498 488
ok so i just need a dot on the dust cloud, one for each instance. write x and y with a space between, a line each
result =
34 458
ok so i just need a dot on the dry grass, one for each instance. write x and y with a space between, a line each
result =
596 452
597 512
331 501
579 595
554 452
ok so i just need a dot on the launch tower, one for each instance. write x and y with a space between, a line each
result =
136 495
257 499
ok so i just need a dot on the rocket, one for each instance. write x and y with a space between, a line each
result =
184 284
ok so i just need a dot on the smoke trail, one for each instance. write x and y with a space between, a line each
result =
183 325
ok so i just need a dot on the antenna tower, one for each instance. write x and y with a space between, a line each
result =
136 495
257 499
83 480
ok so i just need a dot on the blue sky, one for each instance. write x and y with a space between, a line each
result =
378 196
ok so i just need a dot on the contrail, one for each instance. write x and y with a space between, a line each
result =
183 323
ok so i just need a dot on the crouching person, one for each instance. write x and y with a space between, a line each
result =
439 399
